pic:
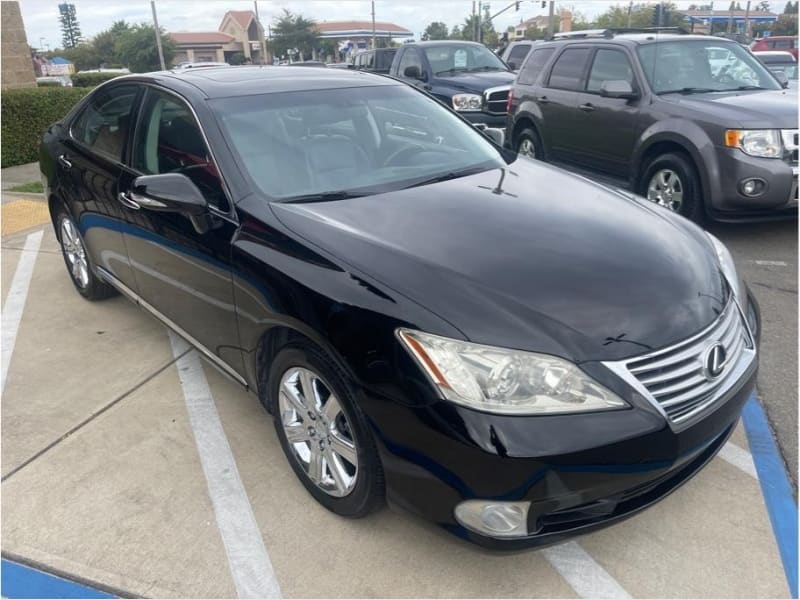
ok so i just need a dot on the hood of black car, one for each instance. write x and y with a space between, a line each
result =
529 257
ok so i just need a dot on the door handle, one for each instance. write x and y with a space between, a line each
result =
126 200
588 107
64 161
543 100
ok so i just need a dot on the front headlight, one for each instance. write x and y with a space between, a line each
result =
764 143
727 266
467 102
504 381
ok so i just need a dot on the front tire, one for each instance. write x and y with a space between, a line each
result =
323 433
670 180
529 144
76 258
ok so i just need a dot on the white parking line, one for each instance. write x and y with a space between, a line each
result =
15 301
738 457
770 263
250 567
582 573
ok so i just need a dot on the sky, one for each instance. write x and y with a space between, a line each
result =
42 26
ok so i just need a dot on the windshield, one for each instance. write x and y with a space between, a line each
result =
349 141
702 66
788 69
454 58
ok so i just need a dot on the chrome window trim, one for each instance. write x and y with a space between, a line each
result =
215 360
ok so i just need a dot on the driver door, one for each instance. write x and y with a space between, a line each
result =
183 275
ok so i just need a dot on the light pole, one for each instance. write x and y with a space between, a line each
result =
158 36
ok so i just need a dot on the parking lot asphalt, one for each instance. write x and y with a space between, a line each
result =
106 479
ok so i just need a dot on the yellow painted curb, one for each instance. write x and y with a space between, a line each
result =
23 214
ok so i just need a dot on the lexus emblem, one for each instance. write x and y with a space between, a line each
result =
715 360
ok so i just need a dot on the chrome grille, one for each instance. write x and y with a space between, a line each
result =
675 377
495 100
789 137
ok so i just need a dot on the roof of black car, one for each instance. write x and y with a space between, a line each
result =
220 82
444 43
642 38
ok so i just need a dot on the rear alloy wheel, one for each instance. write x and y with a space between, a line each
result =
323 432
76 258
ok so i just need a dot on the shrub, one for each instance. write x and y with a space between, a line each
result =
85 80
26 114
48 83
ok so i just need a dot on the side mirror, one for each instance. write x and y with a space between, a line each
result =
513 66
169 192
413 72
617 88
782 78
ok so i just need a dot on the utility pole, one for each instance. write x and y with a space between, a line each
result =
158 36
474 29
373 25
747 20
478 22
550 20
630 10
262 44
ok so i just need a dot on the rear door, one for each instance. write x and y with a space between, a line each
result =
557 101
604 131
183 275
90 168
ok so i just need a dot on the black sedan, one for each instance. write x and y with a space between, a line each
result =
512 351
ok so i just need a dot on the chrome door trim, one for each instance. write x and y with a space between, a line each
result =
215 360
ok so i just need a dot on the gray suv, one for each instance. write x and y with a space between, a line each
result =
695 123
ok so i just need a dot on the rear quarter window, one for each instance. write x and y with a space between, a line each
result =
534 65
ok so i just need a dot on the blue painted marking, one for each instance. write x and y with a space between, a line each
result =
23 582
775 486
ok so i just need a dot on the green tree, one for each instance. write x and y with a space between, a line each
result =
791 8
82 56
763 6
291 31
237 58
136 48
785 25
435 31
70 29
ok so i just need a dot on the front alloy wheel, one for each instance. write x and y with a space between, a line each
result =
318 432
527 148
666 189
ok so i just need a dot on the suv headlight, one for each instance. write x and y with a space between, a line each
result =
764 143
504 381
727 266
467 102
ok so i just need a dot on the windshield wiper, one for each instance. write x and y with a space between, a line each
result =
485 68
323 197
447 176
690 90
452 70
742 88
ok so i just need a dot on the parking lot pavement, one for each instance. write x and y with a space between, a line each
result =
129 501
766 256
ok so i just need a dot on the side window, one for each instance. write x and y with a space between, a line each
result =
534 65
609 65
517 55
783 44
371 60
411 58
169 140
105 121
568 70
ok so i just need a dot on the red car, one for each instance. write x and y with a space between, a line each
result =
777 42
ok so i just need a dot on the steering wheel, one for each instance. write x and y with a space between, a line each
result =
405 151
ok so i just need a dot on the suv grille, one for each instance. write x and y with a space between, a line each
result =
676 376
789 137
495 100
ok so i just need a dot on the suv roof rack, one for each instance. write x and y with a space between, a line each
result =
611 32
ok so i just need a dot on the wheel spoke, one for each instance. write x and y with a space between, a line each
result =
664 179
296 433
293 397
309 389
336 469
315 463
344 448
331 408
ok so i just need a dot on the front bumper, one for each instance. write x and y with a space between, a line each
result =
579 472
488 119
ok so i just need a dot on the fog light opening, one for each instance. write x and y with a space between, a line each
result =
494 519
752 187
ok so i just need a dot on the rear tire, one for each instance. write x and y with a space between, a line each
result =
671 181
332 451
529 144
77 261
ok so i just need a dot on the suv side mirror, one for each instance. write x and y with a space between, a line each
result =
617 88
513 66
413 72
782 78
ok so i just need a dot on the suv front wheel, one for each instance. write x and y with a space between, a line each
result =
529 144
671 181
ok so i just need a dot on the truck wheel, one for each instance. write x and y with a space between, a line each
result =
670 180
528 144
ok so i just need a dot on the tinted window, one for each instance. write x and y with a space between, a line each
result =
517 55
169 140
609 65
385 59
411 58
104 123
782 44
567 71
533 66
